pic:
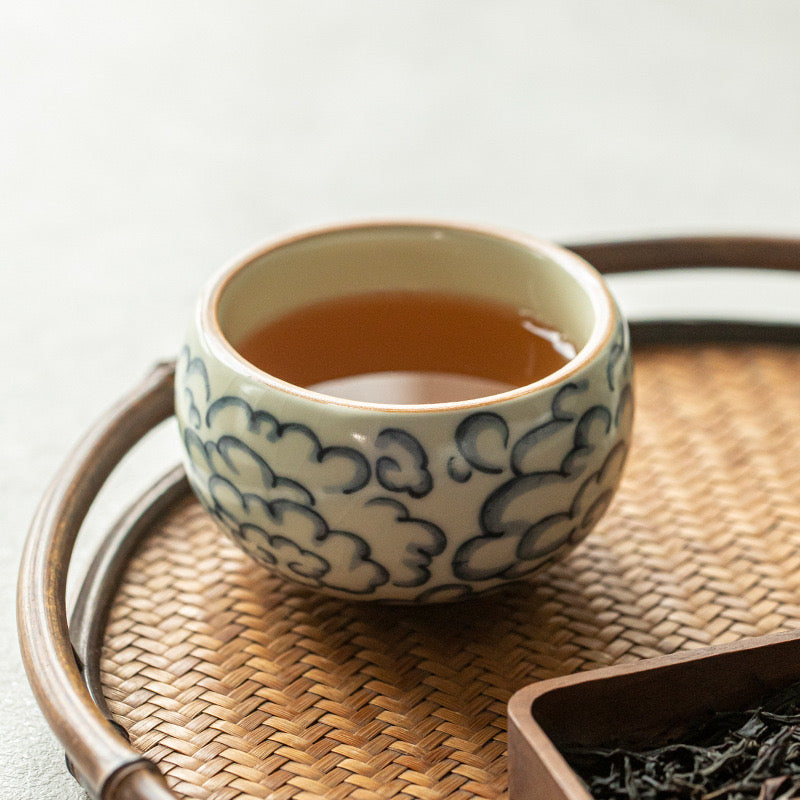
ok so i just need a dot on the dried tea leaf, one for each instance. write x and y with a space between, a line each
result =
749 755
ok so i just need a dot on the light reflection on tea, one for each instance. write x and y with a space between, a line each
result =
407 347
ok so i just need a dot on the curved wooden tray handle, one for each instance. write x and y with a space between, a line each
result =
101 760
640 255
97 753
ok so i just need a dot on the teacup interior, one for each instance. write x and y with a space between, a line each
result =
557 289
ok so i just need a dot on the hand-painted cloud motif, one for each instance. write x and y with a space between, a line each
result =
192 378
296 540
543 446
255 484
362 517
233 460
403 463
572 526
295 447
619 364
482 440
398 538
522 522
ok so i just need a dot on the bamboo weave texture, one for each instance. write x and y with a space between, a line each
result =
239 686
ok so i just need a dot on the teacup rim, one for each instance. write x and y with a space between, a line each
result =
587 276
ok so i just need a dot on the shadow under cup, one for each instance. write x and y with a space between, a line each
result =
405 501
403 315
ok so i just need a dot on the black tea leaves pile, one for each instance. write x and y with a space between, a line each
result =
740 755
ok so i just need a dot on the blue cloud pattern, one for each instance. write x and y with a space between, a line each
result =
289 481
279 521
404 465
296 540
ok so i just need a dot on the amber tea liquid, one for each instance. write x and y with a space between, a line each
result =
407 347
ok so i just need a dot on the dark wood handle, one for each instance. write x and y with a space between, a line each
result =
750 252
102 761
639 255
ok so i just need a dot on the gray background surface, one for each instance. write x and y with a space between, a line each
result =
143 144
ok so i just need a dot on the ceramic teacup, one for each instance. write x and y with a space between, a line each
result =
405 501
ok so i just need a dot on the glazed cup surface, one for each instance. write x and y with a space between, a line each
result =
405 502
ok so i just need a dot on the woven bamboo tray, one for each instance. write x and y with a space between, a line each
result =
188 671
